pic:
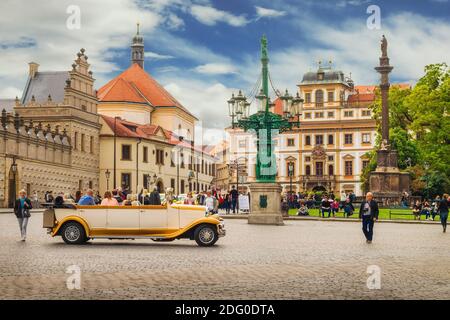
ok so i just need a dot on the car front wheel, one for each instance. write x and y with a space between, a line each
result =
206 235
73 233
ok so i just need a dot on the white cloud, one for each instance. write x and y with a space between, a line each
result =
54 46
268 13
157 56
215 68
211 16
207 101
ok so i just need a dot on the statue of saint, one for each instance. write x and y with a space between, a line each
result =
384 46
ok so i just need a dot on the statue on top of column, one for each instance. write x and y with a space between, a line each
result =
384 47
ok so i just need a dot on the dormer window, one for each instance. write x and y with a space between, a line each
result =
320 76
130 127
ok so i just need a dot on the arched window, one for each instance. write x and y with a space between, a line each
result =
308 170
330 170
319 96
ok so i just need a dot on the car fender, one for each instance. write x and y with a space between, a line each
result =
78 219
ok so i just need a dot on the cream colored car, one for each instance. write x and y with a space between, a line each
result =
159 223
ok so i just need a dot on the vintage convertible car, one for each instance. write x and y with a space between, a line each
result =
78 224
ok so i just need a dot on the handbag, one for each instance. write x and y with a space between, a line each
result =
26 213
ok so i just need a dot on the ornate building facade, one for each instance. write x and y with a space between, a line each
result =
147 136
64 136
328 151
53 145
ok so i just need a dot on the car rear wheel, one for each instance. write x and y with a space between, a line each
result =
206 235
73 233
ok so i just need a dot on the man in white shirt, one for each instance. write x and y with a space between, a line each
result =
209 202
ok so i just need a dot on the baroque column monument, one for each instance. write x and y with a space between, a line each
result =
387 182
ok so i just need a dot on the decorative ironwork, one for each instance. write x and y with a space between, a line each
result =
265 123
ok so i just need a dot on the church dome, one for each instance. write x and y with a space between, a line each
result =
324 75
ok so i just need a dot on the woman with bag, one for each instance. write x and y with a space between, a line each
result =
22 207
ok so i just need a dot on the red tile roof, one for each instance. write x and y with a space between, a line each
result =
136 85
129 129
361 97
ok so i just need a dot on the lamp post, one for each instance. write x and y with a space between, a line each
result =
264 123
426 165
180 139
291 173
107 175
114 159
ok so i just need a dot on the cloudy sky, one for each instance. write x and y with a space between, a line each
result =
203 50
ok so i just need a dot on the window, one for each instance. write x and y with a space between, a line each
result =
318 115
172 158
290 165
308 97
330 158
330 96
242 143
366 113
348 114
348 168
126 180
308 115
75 141
291 142
307 159
145 156
319 98
330 114
82 142
182 186
182 161
126 152
366 138
348 138
159 157
90 184
172 183
91 144
330 170
308 170
319 168
330 139
146 181
319 139
365 163
308 140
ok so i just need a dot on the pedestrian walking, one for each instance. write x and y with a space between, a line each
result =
368 212
443 211
22 207
234 198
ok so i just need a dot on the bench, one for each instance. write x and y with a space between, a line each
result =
398 212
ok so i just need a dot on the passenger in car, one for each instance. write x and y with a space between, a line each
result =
109 200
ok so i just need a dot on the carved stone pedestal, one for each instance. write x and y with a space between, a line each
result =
265 204
387 183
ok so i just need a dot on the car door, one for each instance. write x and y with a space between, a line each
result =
153 219
95 216
123 220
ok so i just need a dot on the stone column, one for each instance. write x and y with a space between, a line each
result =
384 69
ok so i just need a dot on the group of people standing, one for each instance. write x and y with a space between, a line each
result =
214 200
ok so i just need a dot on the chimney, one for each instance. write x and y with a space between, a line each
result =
33 69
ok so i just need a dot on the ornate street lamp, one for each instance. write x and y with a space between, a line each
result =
264 121
14 166
107 175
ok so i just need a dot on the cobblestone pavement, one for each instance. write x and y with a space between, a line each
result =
301 260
